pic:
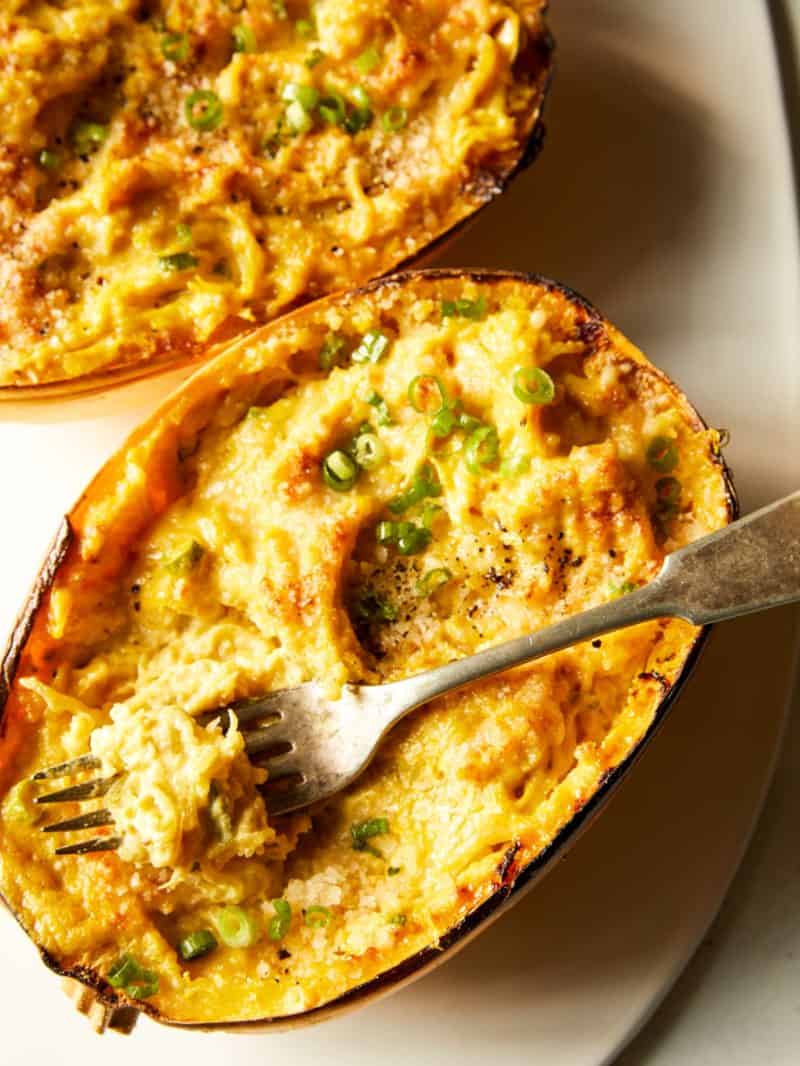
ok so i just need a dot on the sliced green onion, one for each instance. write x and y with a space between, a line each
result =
462 308
433 580
201 942
425 483
340 471
203 110
361 114
468 422
368 450
662 454
533 385
237 928
145 987
412 539
175 47
329 352
407 536
129 975
279 10
392 871
332 108
279 924
444 422
314 57
427 394
429 513
244 40
481 449
668 494
177 261
305 95
360 96
317 917
398 919
371 607
368 60
386 532
125 969
297 118
394 119
372 348
88 136
357 120
362 832
304 28
48 159
515 465
381 408
184 233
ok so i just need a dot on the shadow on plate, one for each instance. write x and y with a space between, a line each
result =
622 180
634 889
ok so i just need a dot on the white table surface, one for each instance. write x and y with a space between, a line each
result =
738 1001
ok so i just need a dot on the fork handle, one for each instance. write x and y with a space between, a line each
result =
751 565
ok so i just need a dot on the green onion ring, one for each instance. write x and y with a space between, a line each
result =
317 917
394 119
533 385
175 47
662 454
196 944
237 928
433 580
422 386
203 110
481 449
340 471
279 924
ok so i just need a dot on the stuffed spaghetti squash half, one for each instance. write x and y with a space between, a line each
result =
173 172
381 482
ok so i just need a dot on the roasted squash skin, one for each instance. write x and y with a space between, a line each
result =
92 555
131 241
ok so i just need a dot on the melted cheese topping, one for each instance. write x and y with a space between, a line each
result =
127 236
213 563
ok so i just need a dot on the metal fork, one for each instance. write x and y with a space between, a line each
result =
320 746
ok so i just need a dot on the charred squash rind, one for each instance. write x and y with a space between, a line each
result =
55 556
534 64
22 628
196 399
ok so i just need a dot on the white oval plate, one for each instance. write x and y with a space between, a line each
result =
665 195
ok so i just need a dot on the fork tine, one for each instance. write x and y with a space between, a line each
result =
246 711
283 765
258 740
87 790
84 821
251 710
63 769
288 800
86 846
